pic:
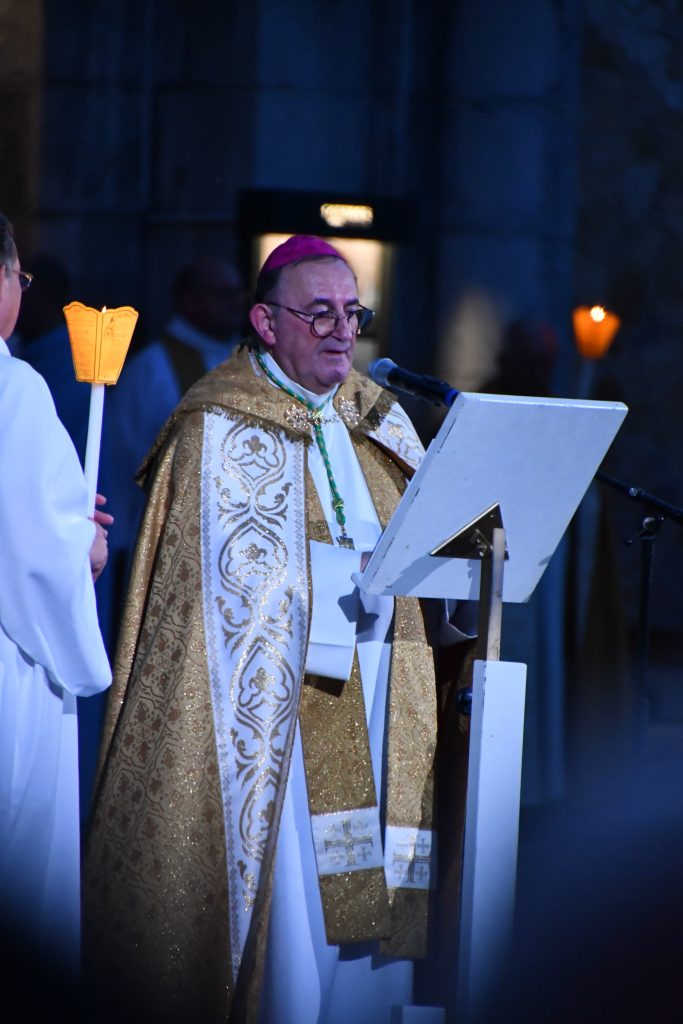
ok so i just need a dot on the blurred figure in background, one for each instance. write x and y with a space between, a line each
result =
526 360
42 340
533 633
571 634
208 320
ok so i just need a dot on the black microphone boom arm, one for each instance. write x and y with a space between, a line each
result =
387 374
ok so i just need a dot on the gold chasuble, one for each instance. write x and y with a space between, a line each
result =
209 684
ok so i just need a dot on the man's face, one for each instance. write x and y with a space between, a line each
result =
10 298
318 364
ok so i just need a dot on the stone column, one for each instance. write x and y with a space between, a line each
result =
506 203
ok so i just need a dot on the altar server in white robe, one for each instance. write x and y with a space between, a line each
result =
51 650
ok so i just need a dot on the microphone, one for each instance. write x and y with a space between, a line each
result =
387 374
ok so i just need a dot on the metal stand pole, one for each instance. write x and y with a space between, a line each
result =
647 537
491 599
656 512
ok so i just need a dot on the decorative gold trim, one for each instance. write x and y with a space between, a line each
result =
348 412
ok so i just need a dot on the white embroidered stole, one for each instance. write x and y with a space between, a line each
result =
397 433
255 588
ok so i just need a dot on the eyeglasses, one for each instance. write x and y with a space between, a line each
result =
325 323
24 277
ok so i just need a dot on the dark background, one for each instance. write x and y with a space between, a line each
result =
535 147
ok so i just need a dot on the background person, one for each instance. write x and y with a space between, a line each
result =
209 319
41 338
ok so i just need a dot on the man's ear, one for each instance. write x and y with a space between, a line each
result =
261 319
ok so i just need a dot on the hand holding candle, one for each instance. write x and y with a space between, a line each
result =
99 343
99 551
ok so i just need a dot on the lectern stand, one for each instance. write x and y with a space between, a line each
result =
493 792
482 517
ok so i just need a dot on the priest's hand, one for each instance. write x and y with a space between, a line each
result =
99 550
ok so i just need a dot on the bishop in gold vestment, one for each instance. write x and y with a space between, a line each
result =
271 736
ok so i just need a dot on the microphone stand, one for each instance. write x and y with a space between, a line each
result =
655 513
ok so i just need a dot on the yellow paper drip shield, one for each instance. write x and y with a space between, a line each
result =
99 340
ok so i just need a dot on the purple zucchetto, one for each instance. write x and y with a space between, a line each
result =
298 247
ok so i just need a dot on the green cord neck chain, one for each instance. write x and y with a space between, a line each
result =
315 417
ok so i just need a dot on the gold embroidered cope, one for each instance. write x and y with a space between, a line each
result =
195 758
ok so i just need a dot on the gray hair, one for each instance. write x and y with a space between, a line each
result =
8 249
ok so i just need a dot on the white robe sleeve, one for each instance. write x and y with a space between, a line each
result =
47 597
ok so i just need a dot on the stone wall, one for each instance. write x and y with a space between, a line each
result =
154 119
629 256
540 142
20 112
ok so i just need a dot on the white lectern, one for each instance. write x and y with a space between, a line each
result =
497 487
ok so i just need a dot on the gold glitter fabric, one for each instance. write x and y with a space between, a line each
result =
411 753
159 870
155 870
239 386
355 911
411 719
339 778
337 753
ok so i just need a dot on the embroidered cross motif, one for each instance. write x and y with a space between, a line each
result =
408 857
412 861
346 844
347 840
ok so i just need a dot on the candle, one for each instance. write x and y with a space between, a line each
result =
99 344
594 329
